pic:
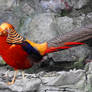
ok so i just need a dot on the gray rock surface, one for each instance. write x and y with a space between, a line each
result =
7 4
37 25
42 28
65 24
54 5
73 80
77 4
59 5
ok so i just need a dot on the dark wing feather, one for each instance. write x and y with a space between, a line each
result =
32 52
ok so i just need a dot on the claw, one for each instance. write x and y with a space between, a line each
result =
14 78
11 83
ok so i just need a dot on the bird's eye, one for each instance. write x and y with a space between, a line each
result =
7 30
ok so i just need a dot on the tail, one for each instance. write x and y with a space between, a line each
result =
68 40
66 45
74 38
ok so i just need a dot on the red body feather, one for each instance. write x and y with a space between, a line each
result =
14 56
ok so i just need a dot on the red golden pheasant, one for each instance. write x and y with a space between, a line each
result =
21 53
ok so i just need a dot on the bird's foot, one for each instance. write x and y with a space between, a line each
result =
11 83
14 78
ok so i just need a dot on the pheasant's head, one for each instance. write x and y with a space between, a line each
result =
5 28
11 34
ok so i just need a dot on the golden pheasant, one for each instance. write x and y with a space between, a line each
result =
22 53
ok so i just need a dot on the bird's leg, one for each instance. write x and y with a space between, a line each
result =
23 74
14 78
6 74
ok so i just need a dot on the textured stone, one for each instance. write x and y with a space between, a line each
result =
52 5
37 26
41 28
59 5
73 80
26 85
65 24
20 85
6 4
77 4
67 78
87 19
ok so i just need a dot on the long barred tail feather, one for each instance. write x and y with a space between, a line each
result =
74 38
80 35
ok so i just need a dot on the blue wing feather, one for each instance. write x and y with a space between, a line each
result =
33 53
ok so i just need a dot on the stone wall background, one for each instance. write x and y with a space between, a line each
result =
39 21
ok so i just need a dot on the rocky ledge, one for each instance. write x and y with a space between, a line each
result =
68 81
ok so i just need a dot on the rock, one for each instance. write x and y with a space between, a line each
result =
23 27
42 27
15 14
20 85
67 78
65 24
55 5
78 21
27 9
77 4
73 80
58 5
88 19
4 5
88 69
52 5
26 85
